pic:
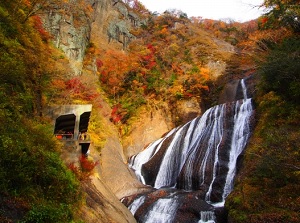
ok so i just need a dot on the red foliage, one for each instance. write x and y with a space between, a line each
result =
99 63
86 164
151 48
149 59
77 89
104 77
187 95
75 85
117 114
86 168
38 25
264 20
74 169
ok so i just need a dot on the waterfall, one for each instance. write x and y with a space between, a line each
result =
241 134
207 216
244 89
199 158
136 204
162 210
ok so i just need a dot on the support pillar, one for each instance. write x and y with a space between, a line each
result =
76 127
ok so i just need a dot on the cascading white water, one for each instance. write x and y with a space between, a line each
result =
138 160
207 217
136 204
219 133
244 88
201 154
241 134
163 211
164 175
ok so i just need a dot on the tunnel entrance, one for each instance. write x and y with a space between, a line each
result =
84 138
84 121
65 126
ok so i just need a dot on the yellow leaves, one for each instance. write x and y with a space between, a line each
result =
21 14
174 47
177 89
191 83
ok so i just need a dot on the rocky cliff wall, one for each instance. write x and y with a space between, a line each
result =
76 24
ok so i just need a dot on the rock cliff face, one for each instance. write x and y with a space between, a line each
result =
74 25
156 120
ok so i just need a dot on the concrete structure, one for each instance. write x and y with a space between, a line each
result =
70 119
71 124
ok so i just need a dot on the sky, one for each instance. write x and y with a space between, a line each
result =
238 10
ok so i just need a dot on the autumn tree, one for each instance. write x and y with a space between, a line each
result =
112 67
137 6
27 8
282 13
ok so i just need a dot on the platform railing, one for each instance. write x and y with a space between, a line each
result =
70 136
64 136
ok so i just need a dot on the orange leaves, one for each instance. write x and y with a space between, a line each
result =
204 73
164 31
115 63
191 84
58 84
27 3
113 68
127 77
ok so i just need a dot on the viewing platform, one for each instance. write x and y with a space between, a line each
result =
85 137
71 125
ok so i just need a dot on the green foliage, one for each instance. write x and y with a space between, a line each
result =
30 166
48 212
267 187
280 73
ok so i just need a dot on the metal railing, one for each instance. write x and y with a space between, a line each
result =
84 137
70 136
64 136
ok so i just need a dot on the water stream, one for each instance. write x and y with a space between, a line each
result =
193 166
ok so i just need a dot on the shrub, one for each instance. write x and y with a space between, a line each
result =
32 169
48 212
280 73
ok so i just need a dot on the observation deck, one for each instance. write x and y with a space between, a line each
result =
71 124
